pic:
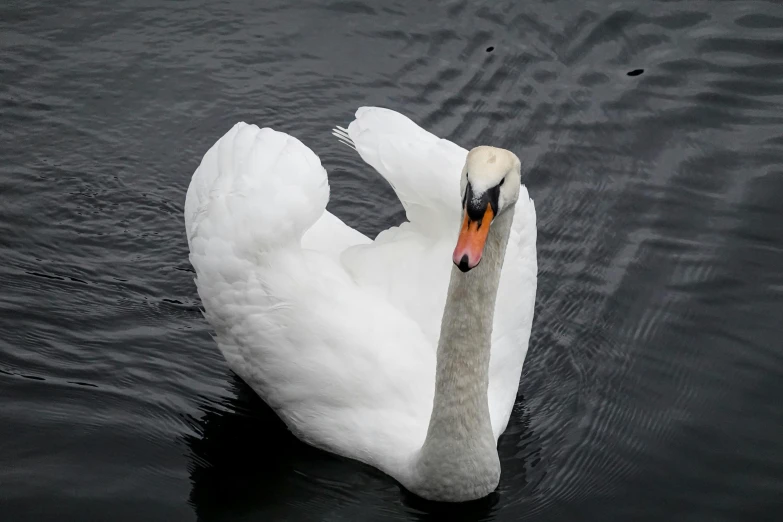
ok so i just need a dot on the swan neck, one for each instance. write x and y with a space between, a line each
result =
459 459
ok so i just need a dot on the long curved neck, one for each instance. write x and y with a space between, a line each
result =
459 460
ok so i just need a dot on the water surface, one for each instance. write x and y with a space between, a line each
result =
652 385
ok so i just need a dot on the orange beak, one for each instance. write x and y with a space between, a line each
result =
471 241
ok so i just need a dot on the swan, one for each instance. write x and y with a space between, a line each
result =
403 352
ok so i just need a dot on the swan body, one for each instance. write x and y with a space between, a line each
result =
380 350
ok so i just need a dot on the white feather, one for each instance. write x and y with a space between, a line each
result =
336 332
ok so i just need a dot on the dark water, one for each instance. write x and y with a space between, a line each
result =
653 386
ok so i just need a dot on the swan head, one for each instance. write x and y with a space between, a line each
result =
490 186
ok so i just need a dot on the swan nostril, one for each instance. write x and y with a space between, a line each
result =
463 264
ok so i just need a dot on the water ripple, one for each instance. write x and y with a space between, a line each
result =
651 143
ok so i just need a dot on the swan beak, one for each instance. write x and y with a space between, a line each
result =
471 241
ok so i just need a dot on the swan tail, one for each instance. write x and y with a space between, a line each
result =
255 189
423 170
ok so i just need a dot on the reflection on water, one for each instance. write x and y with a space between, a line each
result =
651 139
246 465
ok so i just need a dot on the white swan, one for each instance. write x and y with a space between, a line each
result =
374 350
